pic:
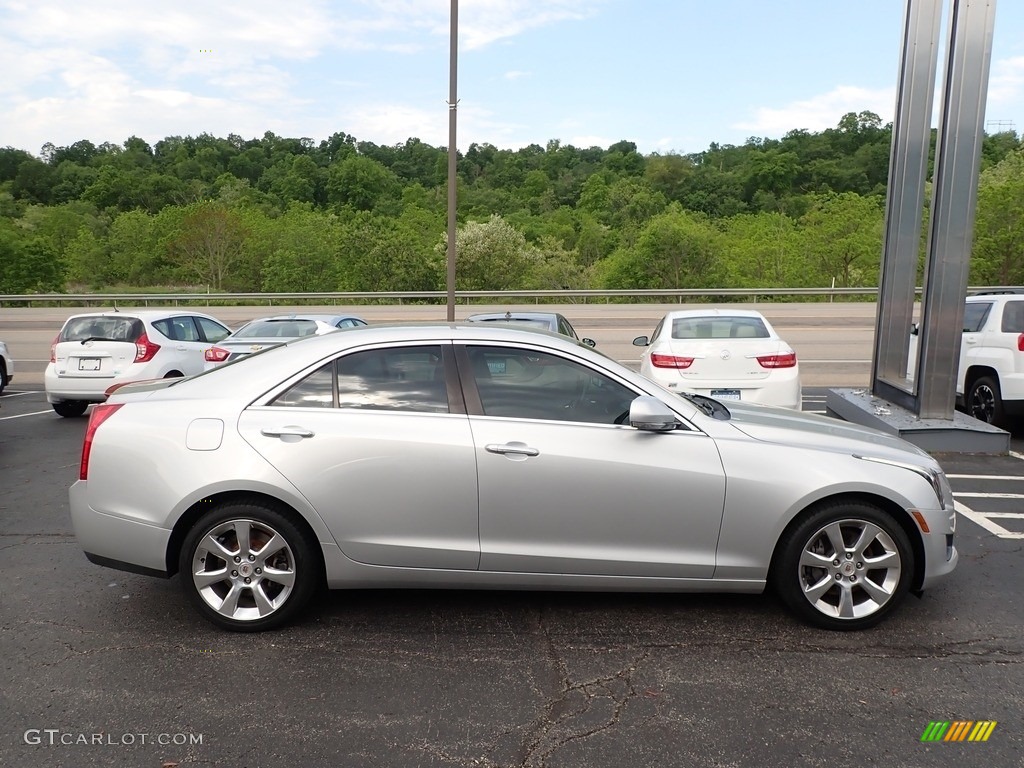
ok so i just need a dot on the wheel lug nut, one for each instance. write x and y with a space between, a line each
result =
234 573
835 563
852 578
259 570
251 558
238 559
860 565
839 577
247 580
849 556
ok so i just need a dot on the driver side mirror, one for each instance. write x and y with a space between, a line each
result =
589 342
641 341
650 414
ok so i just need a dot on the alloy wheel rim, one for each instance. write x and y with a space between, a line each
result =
849 569
983 404
243 569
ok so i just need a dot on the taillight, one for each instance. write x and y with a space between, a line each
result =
1020 343
53 349
145 349
100 413
216 355
670 361
778 361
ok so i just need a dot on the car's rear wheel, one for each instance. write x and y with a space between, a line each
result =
70 408
844 566
247 567
985 401
3 377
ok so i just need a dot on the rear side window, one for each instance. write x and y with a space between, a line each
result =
178 328
975 314
1013 317
103 328
719 328
392 379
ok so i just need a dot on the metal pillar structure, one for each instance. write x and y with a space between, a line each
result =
930 393
453 190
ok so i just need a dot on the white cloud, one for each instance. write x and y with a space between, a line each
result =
1005 85
820 112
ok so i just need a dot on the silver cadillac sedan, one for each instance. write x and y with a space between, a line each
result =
473 456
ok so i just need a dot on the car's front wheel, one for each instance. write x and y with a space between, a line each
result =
247 567
846 565
70 408
985 401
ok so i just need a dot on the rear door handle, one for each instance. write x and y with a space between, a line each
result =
517 449
289 434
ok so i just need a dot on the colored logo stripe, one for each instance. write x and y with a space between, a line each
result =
958 730
935 731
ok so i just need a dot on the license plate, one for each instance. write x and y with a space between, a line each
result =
725 394
88 363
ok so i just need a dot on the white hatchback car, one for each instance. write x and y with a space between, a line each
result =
727 354
96 351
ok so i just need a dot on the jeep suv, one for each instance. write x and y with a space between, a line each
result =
990 382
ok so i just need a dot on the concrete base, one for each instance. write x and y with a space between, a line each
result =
961 434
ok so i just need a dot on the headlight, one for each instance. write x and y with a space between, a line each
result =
936 478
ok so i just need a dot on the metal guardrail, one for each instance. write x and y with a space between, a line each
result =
335 297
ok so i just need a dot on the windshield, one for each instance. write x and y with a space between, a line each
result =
272 329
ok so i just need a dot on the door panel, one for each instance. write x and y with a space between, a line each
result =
391 471
564 488
597 499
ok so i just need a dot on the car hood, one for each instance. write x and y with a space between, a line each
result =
783 426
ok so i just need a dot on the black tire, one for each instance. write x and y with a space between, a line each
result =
984 401
3 378
841 590
69 409
215 583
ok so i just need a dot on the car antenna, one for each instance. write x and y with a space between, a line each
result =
508 315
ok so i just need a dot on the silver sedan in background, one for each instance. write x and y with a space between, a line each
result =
267 332
481 456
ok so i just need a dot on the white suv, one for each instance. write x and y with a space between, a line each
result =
990 382
6 367
95 351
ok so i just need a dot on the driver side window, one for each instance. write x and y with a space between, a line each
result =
527 384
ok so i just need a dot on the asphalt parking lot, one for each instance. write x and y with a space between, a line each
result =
108 668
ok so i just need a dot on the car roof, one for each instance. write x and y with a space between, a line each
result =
249 377
322 318
714 312
143 314
513 316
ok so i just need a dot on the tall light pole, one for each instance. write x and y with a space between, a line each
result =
453 103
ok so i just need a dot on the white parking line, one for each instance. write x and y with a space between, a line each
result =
19 394
986 477
989 496
984 521
22 415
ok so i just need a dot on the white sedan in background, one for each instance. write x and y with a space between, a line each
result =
727 354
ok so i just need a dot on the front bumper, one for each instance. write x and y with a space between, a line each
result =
940 552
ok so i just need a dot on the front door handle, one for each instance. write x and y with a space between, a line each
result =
289 434
516 449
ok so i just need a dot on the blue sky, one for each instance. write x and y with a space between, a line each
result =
669 75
